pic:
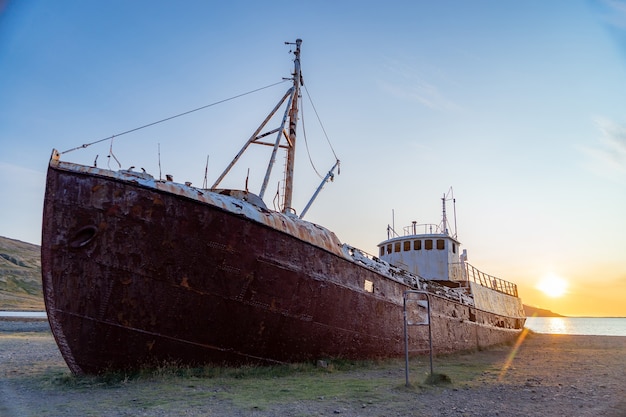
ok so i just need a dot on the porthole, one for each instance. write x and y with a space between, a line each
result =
83 237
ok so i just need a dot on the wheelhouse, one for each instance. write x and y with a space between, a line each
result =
431 255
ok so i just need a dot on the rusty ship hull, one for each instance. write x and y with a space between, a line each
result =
138 271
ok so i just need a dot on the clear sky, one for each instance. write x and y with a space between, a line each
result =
520 106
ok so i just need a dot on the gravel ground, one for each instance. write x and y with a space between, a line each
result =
548 375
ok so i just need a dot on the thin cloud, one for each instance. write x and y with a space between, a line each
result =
607 157
615 13
20 177
613 17
403 82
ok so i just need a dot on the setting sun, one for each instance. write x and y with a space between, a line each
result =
552 286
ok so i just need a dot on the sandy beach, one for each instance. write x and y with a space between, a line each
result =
543 375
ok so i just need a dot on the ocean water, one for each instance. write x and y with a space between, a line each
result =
598 326
24 314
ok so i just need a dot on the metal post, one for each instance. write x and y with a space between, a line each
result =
328 177
406 345
430 338
406 331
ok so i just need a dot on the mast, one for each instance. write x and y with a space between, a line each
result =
293 122
288 133
444 220
445 223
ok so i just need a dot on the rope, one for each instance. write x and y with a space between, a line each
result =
306 142
172 117
320 121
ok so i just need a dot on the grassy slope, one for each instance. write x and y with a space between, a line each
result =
20 275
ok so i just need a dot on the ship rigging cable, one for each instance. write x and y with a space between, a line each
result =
320 122
171 117
323 130
306 142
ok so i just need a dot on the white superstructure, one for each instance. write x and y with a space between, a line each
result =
431 254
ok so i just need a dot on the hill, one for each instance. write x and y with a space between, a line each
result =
539 312
20 276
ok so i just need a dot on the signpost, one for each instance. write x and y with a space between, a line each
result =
416 313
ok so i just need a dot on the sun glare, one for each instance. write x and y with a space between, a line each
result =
553 286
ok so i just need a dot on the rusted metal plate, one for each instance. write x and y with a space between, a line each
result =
137 272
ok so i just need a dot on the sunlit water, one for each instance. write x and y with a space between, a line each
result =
24 314
599 326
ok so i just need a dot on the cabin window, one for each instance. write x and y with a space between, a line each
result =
441 244
396 247
417 245
382 250
428 244
453 247
407 245
389 248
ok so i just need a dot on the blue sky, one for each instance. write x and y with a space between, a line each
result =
520 106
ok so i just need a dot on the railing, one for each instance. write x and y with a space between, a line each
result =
463 271
459 271
415 229
418 229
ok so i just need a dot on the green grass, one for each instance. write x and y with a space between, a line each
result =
170 388
250 387
261 387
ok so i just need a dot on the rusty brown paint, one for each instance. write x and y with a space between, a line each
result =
167 282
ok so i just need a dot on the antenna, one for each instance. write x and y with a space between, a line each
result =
206 171
159 152
444 220
449 196
454 210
